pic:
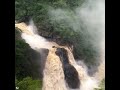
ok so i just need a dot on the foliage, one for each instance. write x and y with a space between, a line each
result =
20 58
25 61
29 84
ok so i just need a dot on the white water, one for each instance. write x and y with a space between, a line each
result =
94 21
36 41
55 79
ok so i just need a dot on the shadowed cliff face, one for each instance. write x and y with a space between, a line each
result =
71 74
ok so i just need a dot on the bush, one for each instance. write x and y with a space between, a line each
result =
29 84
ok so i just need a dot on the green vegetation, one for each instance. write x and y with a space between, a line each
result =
28 84
25 64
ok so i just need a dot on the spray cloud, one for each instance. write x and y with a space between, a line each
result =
88 20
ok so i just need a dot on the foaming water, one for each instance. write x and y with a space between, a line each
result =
36 41
53 75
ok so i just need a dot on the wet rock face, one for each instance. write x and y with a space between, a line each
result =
63 55
71 74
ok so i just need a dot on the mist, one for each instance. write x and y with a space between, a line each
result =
89 21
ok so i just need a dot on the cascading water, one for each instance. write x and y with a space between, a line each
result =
53 75
91 13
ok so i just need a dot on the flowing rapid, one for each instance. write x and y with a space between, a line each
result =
53 72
